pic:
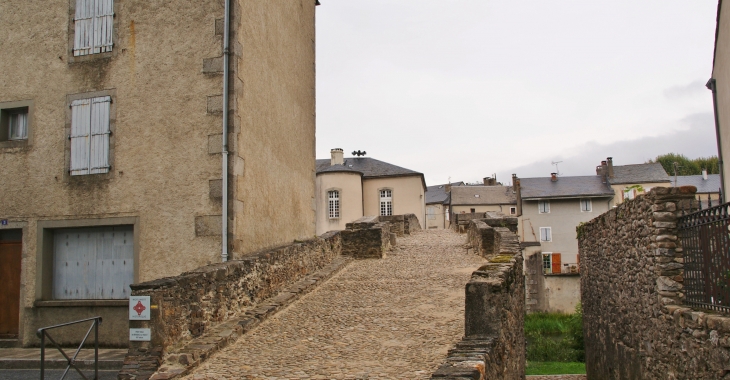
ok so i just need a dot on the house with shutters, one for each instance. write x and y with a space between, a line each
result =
629 181
438 199
549 210
348 188
130 151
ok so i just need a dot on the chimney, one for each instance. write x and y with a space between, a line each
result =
447 188
514 182
518 195
602 168
337 157
610 166
490 181
554 177
704 174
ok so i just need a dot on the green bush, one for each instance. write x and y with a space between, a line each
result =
555 337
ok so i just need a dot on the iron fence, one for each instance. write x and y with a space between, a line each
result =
43 334
705 237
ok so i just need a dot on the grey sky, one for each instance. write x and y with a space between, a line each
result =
466 88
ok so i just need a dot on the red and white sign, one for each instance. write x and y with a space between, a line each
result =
139 308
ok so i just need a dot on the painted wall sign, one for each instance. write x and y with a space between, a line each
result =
139 308
140 335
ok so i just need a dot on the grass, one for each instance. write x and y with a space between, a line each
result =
555 342
547 323
555 368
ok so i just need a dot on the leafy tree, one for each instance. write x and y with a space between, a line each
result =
687 166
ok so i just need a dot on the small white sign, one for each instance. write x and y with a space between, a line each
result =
140 335
139 308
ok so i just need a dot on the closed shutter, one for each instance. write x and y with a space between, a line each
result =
556 263
93 263
90 136
99 142
80 136
93 26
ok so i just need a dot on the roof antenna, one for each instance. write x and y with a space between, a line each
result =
556 166
359 153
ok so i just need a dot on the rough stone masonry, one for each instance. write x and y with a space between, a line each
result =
632 270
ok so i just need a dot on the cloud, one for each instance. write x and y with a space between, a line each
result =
697 140
688 90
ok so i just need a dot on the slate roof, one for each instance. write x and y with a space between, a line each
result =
337 168
638 173
438 194
369 167
487 195
564 187
710 185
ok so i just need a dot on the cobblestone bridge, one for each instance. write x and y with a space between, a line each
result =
393 318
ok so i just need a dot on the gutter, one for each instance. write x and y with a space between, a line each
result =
224 151
712 85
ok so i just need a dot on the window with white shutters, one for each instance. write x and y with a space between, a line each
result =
90 136
386 202
586 205
93 262
546 234
543 207
93 27
334 204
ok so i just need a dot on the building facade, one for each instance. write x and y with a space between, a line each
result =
111 147
350 188
628 181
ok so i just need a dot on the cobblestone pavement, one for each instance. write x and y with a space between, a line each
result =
557 377
393 318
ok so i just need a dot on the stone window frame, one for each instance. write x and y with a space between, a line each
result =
392 203
339 203
112 139
44 258
72 34
549 235
5 142
540 209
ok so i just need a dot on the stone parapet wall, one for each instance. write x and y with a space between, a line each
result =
411 224
397 223
632 272
187 305
366 237
493 346
487 240
460 222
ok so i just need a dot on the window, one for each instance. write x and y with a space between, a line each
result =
551 263
472 210
93 262
430 212
386 202
543 207
90 130
513 210
15 123
546 234
334 204
585 205
447 212
629 193
93 27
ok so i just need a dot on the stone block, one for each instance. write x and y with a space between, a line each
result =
215 188
208 225
213 65
215 104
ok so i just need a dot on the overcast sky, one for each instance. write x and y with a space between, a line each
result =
462 89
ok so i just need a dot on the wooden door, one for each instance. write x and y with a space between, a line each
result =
556 263
10 257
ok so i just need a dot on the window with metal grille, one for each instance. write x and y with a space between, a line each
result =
546 234
93 27
334 204
90 136
386 202
585 205
543 207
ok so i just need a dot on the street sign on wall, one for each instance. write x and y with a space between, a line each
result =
139 308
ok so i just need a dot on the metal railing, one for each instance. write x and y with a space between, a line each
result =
705 237
42 333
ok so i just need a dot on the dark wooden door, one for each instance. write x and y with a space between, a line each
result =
10 256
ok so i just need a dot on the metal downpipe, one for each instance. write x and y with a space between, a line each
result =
224 150
712 86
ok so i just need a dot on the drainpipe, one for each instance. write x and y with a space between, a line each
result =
711 85
224 158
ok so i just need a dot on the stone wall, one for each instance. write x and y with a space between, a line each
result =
397 223
635 325
487 240
411 224
460 222
493 346
194 301
366 237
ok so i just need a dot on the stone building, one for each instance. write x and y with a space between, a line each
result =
718 84
350 188
628 181
113 150
550 210
471 199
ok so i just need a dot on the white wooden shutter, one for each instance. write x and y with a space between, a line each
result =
80 136
93 26
99 142
103 25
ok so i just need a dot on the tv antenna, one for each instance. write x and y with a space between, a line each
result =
556 166
359 153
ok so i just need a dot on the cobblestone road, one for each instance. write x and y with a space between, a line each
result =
393 318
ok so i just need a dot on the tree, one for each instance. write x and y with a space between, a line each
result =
687 166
